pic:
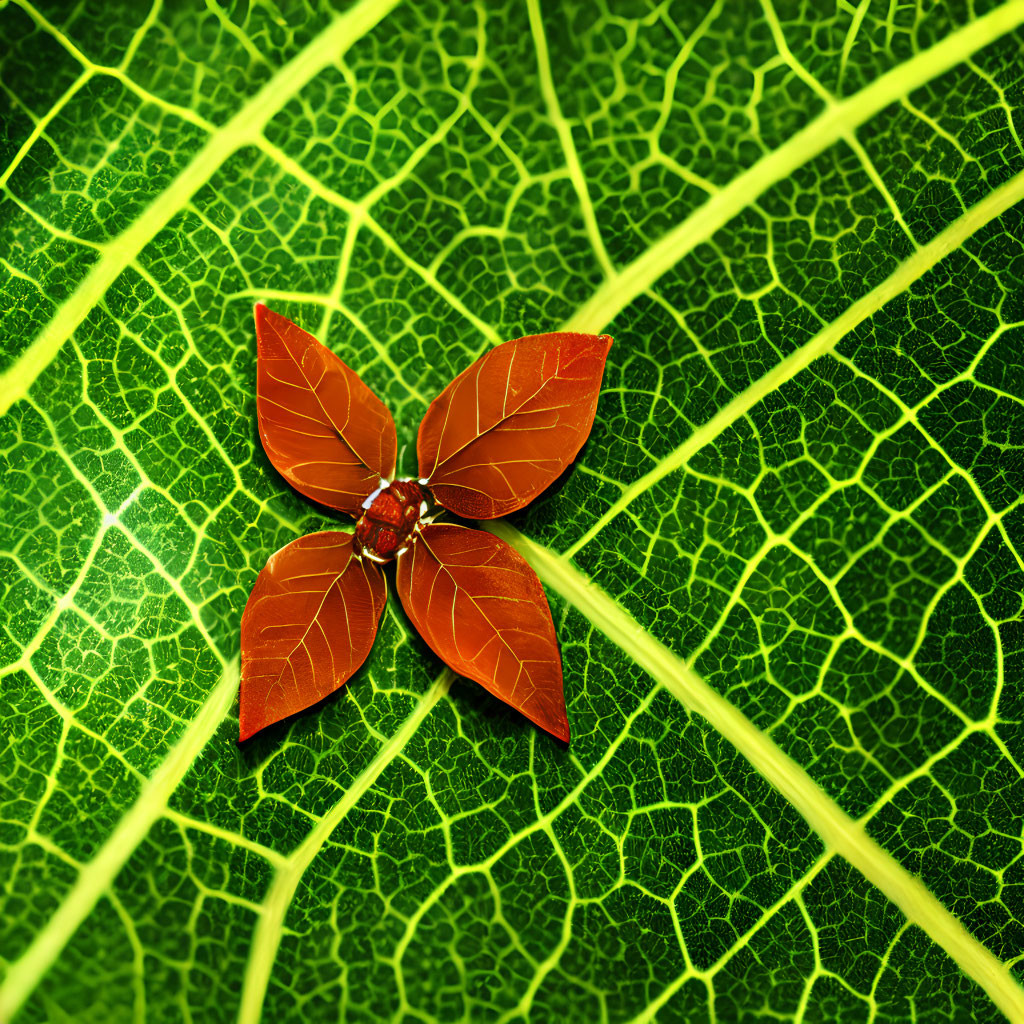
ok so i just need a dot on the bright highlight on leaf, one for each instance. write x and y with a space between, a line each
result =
500 433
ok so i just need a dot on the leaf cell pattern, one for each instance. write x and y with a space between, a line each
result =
786 572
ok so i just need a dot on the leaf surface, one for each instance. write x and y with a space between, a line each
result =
308 625
324 430
508 425
785 572
482 610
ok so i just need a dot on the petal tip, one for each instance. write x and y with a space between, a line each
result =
248 724
559 728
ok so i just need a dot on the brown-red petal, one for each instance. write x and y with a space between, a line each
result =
323 429
507 426
310 622
482 610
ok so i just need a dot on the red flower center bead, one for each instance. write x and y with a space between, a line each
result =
391 515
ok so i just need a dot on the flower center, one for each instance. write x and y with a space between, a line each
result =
392 512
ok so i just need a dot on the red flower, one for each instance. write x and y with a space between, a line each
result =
500 433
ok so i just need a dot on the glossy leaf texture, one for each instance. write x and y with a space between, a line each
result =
309 624
803 224
482 610
508 425
323 429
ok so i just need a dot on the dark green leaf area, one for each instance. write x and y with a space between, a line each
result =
954 828
611 918
801 495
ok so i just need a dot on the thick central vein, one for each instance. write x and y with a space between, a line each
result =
840 833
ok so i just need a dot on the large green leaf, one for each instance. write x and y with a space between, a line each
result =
787 572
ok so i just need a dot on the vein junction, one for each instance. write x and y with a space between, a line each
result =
148 517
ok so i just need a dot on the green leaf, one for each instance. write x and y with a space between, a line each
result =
787 571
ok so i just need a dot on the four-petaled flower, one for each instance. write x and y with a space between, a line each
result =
496 437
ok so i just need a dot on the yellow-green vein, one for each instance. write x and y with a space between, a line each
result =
95 878
835 121
910 270
243 128
839 832
287 876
